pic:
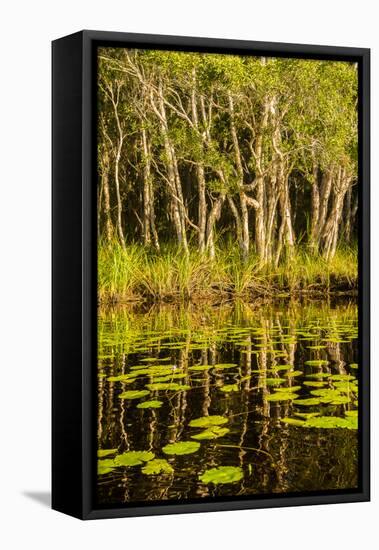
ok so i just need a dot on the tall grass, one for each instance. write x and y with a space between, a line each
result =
136 273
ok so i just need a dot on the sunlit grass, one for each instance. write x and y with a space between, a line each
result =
137 272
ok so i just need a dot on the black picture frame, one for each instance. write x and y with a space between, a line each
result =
74 305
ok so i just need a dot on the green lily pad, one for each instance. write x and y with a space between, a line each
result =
133 458
153 404
342 377
282 396
307 402
314 384
305 416
290 389
292 374
331 422
181 448
272 381
163 386
105 466
106 452
133 394
318 375
222 474
222 366
316 362
211 433
157 466
228 388
200 367
206 421
353 365
292 421
353 414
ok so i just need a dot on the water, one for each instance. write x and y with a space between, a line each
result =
250 355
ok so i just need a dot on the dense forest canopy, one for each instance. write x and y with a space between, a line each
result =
206 149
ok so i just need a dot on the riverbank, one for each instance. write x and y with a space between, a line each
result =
138 274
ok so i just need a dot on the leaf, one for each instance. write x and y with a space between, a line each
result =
133 458
227 388
290 389
342 377
133 394
106 452
181 448
211 433
222 474
316 362
157 466
292 421
331 422
292 374
225 366
281 396
352 413
200 367
153 404
105 466
206 421
307 402
272 381
314 384
163 386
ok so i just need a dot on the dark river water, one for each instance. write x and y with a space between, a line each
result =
261 398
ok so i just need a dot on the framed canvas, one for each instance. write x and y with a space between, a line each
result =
210 275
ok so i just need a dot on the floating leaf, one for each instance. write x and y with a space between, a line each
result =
292 421
307 402
157 466
153 404
200 367
133 458
292 374
353 365
227 388
316 362
162 386
206 421
105 466
331 422
105 452
314 384
317 375
306 415
222 474
342 377
352 413
225 366
211 433
133 394
288 389
281 396
272 381
181 448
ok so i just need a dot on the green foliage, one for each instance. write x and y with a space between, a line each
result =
206 421
157 466
181 448
133 458
153 404
222 475
133 394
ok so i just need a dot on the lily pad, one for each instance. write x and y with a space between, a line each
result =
228 388
331 422
292 374
290 389
163 386
222 474
307 402
206 421
105 466
222 366
133 458
342 377
200 367
314 383
282 396
157 466
106 452
181 448
153 404
292 421
316 362
211 433
133 394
